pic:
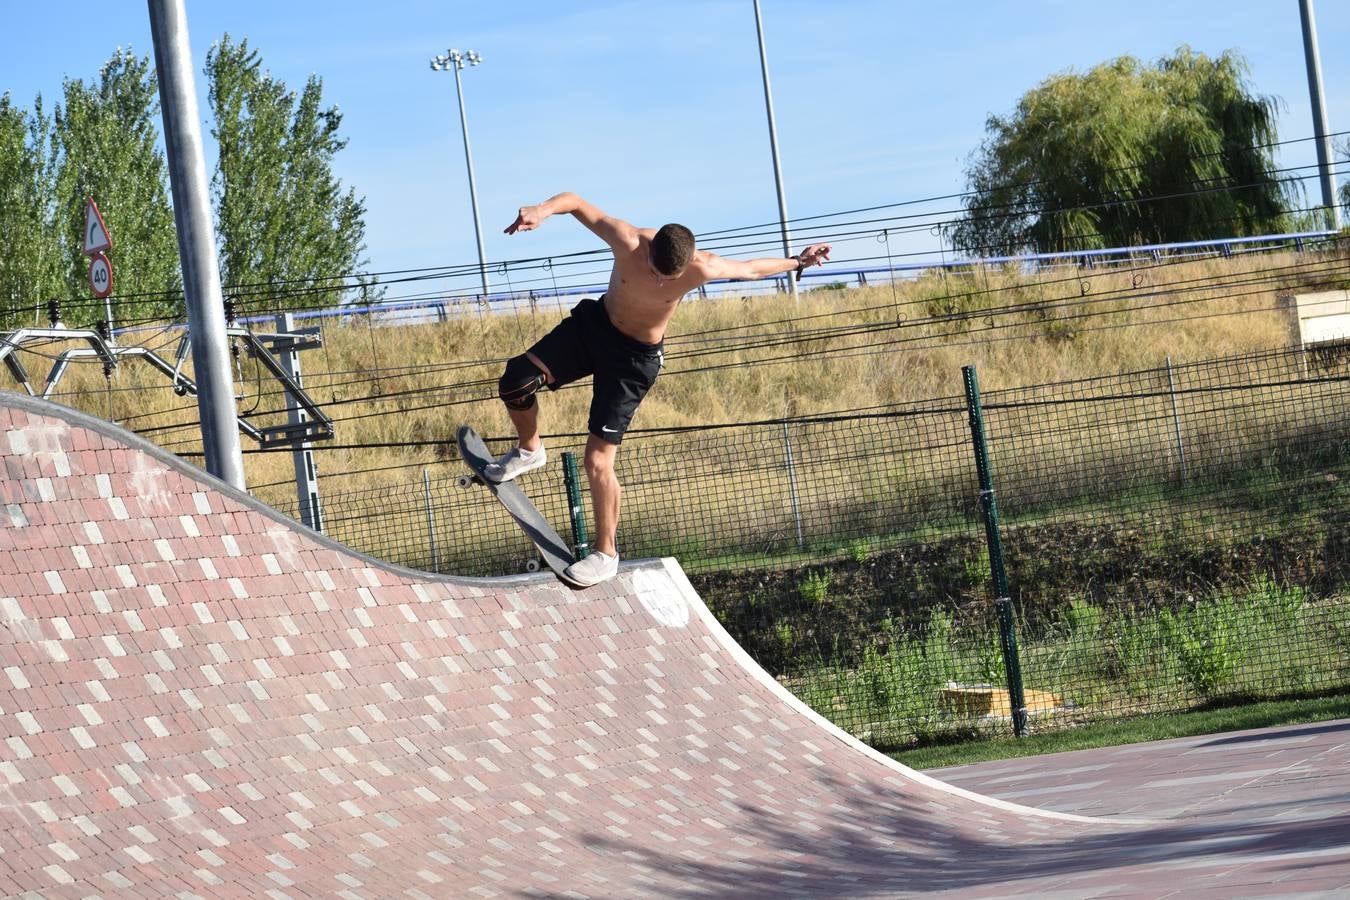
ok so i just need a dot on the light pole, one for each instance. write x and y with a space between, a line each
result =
454 61
196 241
1319 114
773 147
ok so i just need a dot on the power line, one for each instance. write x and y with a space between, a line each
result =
958 321
368 279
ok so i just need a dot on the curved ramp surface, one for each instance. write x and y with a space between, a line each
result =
200 698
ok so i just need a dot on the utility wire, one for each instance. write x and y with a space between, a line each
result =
1274 276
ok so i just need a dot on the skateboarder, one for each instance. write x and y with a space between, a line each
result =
618 340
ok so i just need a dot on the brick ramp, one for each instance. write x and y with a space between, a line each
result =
199 698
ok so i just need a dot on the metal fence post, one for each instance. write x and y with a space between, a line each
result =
989 506
1176 419
302 453
792 487
573 485
431 522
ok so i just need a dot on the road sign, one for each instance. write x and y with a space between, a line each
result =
96 236
100 275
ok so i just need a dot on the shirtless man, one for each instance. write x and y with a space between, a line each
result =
618 340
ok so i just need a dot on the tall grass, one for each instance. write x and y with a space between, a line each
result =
391 389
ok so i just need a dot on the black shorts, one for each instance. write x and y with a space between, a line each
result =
587 343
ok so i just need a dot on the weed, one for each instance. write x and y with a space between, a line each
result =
1277 605
815 588
1130 653
1341 631
1085 653
991 668
1083 620
877 680
939 655
1205 638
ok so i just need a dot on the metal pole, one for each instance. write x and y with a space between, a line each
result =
196 241
1176 419
458 62
431 522
792 487
111 337
1319 113
572 484
1012 665
302 456
773 148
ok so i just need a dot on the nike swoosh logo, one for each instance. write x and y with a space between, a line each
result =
606 428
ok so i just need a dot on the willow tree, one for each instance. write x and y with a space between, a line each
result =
287 229
1128 153
1344 154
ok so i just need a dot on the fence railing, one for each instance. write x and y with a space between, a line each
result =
469 300
1173 536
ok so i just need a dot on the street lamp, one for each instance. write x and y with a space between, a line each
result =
454 61
773 148
1319 114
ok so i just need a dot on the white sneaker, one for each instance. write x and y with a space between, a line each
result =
594 569
515 463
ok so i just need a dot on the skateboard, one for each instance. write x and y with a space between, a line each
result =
552 549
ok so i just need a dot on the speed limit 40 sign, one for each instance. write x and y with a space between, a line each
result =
100 275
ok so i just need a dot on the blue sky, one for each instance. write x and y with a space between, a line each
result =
655 111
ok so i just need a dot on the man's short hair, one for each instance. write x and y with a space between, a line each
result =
672 248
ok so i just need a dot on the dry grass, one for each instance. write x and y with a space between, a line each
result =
741 359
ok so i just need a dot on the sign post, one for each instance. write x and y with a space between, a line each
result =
101 278
96 241
96 237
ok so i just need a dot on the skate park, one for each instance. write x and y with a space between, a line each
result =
203 698
222 675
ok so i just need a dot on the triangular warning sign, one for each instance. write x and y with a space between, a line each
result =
96 237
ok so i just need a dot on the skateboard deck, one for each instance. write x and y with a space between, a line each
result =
552 548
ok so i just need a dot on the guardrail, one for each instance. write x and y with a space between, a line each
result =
456 304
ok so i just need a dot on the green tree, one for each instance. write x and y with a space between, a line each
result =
30 267
1128 153
286 227
1343 152
106 142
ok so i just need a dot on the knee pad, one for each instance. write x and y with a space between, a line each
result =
519 383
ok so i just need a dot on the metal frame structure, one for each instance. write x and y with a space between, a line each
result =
318 426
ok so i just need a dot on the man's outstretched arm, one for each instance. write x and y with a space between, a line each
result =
716 267
612 231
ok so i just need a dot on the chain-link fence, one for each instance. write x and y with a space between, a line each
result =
1172 536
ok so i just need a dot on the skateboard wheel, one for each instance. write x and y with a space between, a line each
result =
532 565
464 481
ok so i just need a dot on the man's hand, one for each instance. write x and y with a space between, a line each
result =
814 255
528 219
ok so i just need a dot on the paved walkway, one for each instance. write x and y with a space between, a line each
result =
1281 793
1293 773
198 698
